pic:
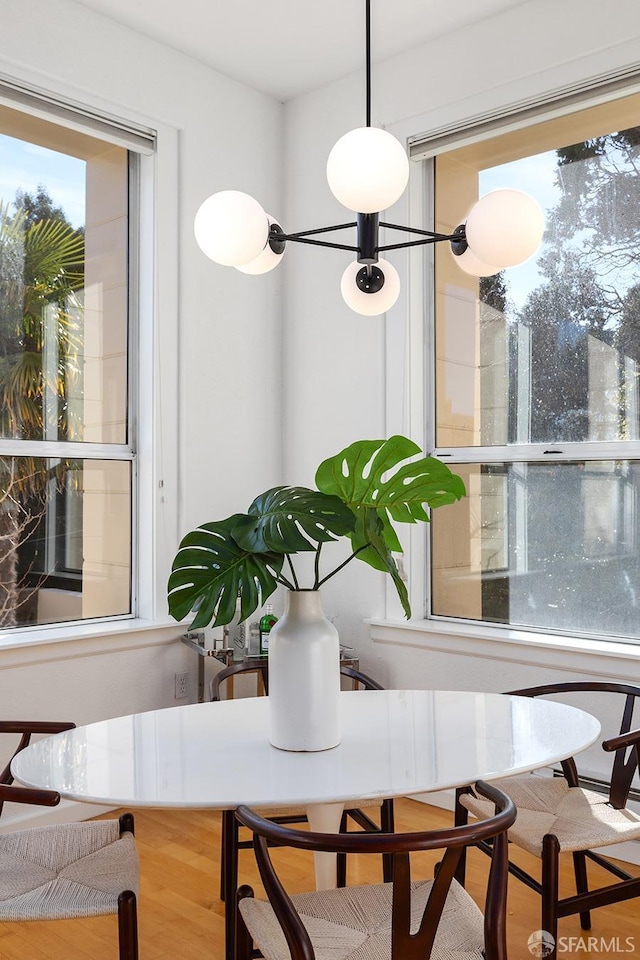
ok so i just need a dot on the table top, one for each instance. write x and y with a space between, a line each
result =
217 755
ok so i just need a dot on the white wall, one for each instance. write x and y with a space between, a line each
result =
341 367
216 390
234 436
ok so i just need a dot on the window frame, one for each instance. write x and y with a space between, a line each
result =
527 453
152 441
410 408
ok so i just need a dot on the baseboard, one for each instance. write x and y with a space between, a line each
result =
18 816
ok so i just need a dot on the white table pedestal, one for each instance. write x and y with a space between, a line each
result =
325 818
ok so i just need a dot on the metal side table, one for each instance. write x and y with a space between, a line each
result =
195 641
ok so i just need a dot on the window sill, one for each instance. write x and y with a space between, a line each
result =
599 658
39 643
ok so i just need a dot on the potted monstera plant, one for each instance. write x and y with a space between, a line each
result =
361 492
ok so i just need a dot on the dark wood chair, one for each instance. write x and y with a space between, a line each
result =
68 870
231 842
400 920
559 814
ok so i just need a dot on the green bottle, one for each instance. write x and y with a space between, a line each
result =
266 623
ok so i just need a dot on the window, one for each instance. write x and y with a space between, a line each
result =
67 481
537 385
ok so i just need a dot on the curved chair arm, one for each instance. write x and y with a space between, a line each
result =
387 842
624 768
367 682
622 740
42 798
576 686
35 726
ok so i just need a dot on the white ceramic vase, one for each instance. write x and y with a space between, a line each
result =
304 676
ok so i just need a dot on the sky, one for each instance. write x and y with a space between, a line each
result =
23 166
535 176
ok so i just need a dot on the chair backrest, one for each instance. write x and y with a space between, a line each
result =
262 667
259 667
625 747
405 945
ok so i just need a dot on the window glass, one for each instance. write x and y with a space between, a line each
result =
65 551
65 540
544 355
545 545
547 352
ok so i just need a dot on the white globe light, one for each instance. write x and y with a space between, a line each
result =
266 260
505 227
231 228
468 262
370 304
368 170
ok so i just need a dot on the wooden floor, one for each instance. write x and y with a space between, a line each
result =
181 917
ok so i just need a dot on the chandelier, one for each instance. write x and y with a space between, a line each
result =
368 171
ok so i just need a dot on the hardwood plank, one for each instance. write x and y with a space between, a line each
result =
180 914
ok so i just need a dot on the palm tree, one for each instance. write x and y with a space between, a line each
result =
41 279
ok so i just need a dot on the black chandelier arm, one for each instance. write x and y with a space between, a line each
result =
304 237
318 243
459 233
436 238
309 233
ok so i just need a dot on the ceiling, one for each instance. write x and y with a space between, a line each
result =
286 47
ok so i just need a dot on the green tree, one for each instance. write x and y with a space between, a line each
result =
590 262
41 275
561 314
38 206
493 292
599 200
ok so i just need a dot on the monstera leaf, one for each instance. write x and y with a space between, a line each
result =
360 476
368 540
292 519
361 492
210 570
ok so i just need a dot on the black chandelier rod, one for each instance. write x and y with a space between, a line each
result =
367 225
368 58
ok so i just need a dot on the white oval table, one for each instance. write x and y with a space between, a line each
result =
394 743
217 755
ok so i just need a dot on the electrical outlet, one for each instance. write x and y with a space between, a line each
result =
181 685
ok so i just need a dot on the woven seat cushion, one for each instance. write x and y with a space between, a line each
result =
355 923
65 871
580 819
